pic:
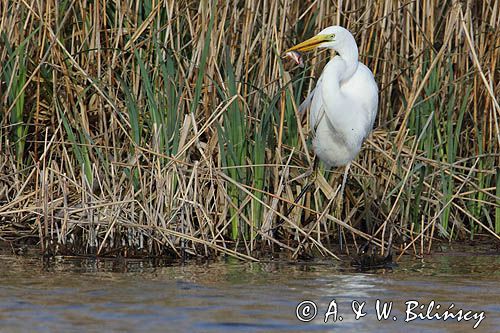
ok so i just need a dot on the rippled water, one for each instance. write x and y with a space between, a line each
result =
111 296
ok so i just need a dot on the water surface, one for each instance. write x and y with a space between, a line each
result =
123 296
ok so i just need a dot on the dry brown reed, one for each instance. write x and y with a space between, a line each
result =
171 127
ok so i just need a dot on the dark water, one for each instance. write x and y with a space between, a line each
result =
109 296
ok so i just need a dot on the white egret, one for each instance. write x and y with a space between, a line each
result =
343 103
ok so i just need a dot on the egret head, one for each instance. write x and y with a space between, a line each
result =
331 37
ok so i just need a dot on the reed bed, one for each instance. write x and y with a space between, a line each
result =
170 128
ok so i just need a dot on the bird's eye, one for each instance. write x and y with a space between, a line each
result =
332 36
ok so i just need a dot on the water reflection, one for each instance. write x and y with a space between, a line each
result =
108 295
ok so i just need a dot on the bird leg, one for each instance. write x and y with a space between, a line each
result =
305 189
340 202
301 194
344 179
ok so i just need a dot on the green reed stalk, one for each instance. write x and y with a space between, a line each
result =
14 72
232 142
78 144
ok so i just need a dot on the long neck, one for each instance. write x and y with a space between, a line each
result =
348 51
338 70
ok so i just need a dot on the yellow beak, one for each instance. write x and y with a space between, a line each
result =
311 43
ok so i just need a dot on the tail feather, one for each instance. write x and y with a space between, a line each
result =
305 104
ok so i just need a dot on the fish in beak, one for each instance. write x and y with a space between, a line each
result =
296 57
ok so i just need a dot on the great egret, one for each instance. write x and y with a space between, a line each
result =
343 103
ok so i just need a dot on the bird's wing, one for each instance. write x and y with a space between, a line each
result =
362 90
305 104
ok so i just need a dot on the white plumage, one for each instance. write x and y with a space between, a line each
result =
344 102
